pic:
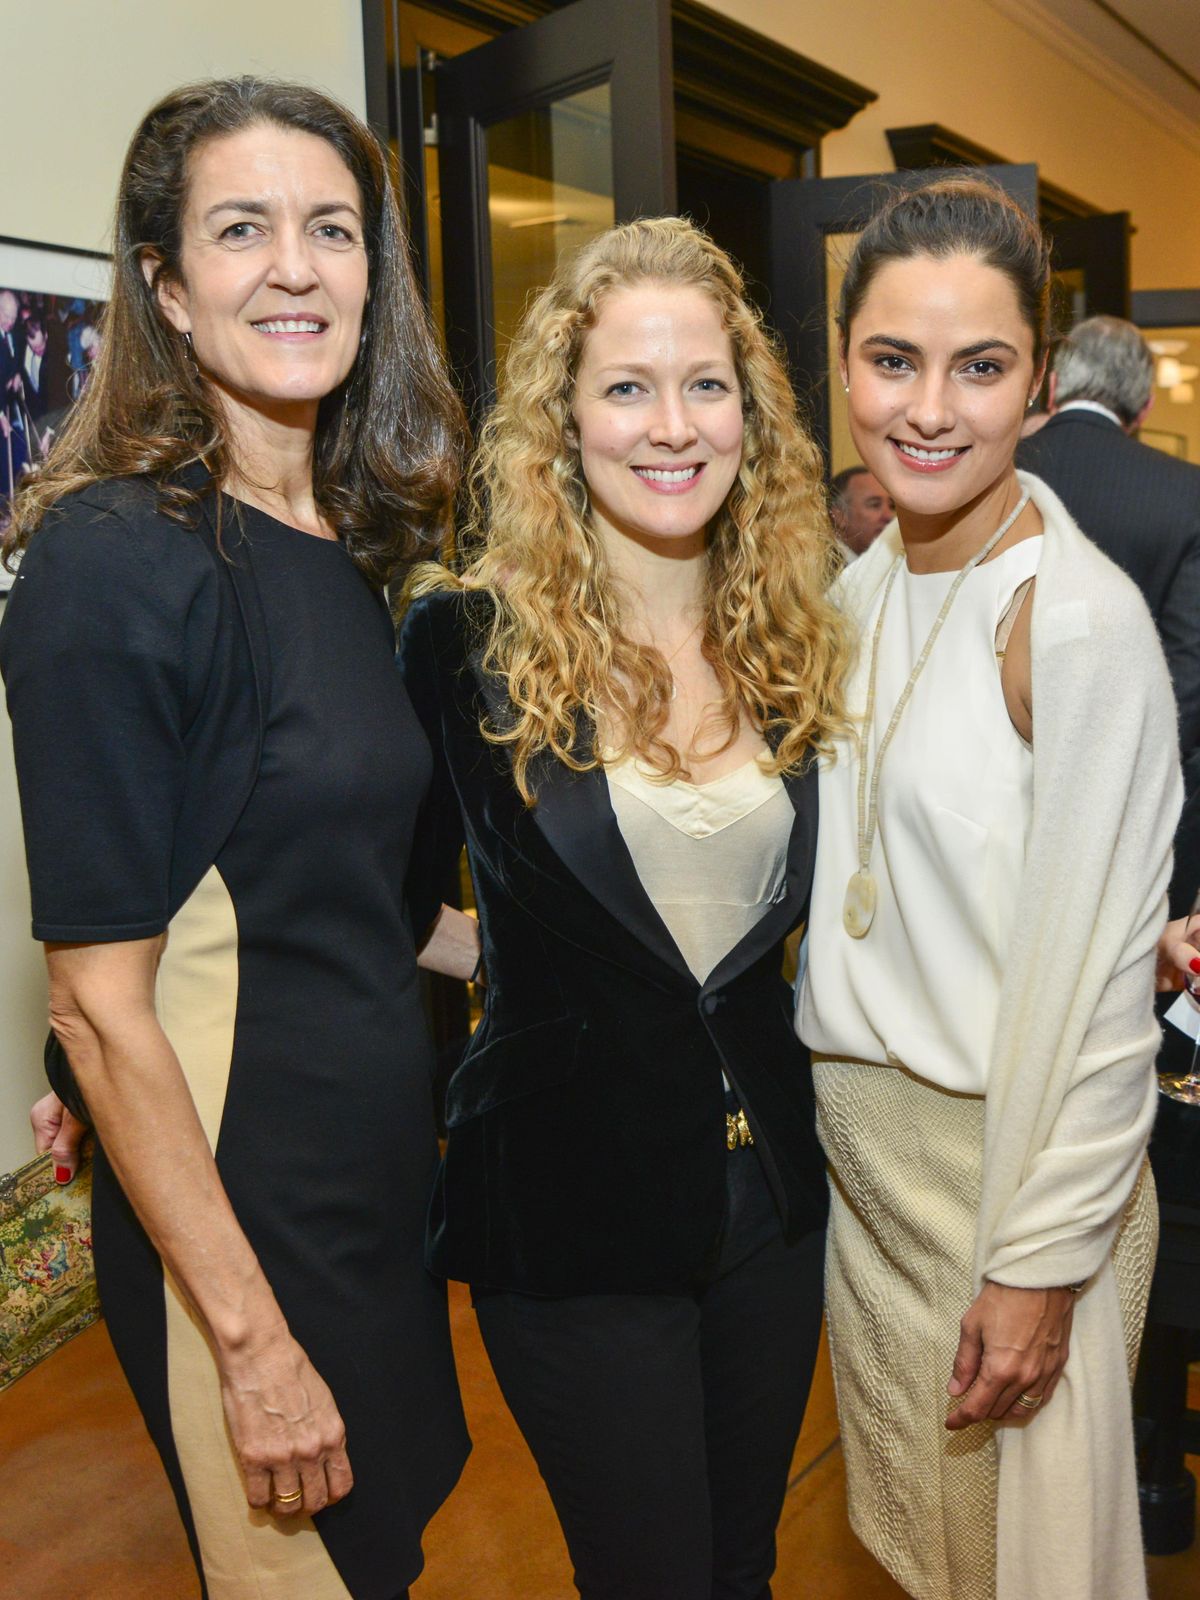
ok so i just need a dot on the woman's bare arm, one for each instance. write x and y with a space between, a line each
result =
451 945
282 1418
1016 671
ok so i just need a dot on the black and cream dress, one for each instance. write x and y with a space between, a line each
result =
288 988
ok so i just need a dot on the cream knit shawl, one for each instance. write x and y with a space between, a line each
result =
1071 1088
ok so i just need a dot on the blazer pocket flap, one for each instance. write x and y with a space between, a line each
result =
511 1065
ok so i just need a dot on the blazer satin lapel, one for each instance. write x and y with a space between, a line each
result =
779 920
575 817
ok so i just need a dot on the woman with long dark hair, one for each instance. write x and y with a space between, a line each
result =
995 846
220 773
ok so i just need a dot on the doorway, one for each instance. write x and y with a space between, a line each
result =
509 118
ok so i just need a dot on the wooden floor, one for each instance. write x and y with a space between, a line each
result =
85 1513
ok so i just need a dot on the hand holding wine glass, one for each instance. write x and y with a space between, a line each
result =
1179 966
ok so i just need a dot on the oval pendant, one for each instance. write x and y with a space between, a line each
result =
858 911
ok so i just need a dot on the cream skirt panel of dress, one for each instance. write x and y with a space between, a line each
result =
907 1157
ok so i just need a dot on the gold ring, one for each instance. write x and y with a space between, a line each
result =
289 1499
1030 1401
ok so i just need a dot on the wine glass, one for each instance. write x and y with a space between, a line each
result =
1185 1086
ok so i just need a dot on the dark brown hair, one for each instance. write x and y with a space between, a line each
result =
958 215
389 439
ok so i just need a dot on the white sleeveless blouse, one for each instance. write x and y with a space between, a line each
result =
921 989
712 857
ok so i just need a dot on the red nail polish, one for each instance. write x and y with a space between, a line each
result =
1194 964
62 1174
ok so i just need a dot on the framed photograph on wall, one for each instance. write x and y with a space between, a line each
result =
1172 444
51 328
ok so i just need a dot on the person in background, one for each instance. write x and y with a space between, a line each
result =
1141 506
994 852
57 312
33 368
14 443
625 692
860 509
220 774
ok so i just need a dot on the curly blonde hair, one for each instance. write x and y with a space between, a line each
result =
777 645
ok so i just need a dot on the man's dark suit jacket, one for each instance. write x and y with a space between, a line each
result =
36 400
1143 509
11 361
586 1122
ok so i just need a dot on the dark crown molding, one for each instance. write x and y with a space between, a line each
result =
931 145
723 71
729 72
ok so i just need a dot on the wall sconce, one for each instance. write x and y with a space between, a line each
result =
1169 374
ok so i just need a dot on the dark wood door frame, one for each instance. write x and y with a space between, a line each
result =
1099 247
1165 308
625 43
929 144
749 100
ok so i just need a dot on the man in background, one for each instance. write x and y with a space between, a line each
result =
1140 506
860 508
33 367
13 449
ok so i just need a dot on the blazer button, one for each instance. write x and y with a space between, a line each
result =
713 1002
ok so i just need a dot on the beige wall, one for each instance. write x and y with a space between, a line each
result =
971 67
23 1013
96 65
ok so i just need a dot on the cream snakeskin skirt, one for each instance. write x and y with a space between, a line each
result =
905 1159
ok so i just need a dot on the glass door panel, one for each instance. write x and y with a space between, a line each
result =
550 189
1068 300
843 452
1174 421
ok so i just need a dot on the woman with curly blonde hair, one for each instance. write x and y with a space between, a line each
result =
625 688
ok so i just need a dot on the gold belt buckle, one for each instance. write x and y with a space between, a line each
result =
737 1129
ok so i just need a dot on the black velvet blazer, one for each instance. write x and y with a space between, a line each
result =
586 1128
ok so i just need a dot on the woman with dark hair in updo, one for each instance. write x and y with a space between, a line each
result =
995 845
220 773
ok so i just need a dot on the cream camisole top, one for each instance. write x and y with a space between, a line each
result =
712 857
921 989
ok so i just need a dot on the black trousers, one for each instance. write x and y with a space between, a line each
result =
664 1425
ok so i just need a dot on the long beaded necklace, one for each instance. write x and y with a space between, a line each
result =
858 910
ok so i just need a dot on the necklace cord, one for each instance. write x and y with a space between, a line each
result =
868 808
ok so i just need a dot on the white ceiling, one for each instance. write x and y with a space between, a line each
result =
1170 27
1173 25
